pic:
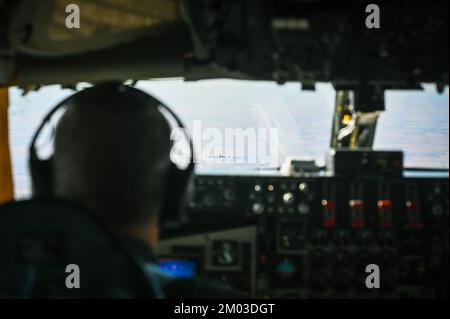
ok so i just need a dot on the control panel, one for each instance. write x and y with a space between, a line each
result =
316 237
227 257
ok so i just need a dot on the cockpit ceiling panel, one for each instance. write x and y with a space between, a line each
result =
103 24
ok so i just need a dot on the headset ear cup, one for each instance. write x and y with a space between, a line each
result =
41 172
174 202
177 184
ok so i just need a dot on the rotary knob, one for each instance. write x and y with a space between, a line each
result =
304 208
208 200
306 191
437 210
303 187
229 195
258 208
288 198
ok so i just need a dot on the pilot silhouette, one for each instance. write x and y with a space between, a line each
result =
112 155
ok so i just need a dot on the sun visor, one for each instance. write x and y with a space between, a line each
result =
103 24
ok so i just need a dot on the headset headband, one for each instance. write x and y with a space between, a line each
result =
155 102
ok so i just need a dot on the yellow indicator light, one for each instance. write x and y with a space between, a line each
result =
347 118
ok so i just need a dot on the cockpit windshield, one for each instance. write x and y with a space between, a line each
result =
257 125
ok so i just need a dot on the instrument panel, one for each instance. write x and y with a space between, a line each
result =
314 237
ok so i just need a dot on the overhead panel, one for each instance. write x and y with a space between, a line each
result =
103 24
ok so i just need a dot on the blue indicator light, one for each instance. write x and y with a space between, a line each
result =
178 268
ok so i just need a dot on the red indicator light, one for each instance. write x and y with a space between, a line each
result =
384 204
358 223
330 223
328 204
356 204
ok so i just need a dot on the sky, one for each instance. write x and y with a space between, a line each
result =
414 121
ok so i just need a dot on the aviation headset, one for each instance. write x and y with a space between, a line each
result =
41 170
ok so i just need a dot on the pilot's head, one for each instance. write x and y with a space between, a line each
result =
112 156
